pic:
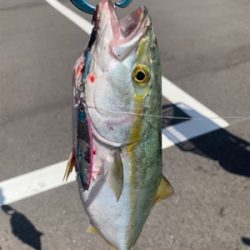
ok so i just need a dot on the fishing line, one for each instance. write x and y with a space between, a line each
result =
240 118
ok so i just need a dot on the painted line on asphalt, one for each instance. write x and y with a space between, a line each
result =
50 177
201 123
33 183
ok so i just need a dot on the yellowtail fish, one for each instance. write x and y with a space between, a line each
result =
117 149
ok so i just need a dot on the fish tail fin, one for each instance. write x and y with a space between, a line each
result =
70 166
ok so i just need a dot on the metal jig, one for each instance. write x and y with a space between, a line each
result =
89 8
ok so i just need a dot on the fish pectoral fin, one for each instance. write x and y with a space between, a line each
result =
116 175
164 191
70 166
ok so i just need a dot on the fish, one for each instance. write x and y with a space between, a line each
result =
117 147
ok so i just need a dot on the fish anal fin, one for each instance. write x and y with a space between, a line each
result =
117 175
70 166
164 191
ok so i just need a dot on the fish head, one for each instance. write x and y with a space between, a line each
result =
124 82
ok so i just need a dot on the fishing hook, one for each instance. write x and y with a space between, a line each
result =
89 8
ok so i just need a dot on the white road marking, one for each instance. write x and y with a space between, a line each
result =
201 123
50 177
32 183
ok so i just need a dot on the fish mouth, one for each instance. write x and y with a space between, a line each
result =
133 23
128 30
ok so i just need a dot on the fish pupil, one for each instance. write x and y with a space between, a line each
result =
140 76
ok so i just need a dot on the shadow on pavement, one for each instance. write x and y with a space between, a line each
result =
1 197
246 241
22 228
231 152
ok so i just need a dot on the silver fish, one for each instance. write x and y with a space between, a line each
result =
117 126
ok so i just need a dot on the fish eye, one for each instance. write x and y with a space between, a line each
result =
141 75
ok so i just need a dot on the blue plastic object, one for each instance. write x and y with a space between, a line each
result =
89 8
123 3
84 6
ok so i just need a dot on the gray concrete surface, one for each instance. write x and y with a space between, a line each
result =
204 49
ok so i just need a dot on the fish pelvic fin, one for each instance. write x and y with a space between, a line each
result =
117 175
70 166
164 191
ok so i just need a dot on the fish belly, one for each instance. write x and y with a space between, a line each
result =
109 216
120 222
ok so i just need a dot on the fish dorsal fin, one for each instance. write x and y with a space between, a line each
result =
117 175
164 191
70 166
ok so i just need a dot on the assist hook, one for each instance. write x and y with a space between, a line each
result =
85 6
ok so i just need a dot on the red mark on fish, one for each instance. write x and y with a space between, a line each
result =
79 69
91 78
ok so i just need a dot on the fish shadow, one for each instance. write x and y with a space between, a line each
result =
22 228
230 151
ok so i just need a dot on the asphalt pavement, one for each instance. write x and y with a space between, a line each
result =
205 50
